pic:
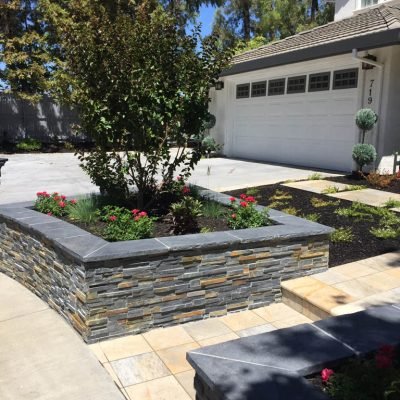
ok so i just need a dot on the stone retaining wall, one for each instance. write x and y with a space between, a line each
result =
112 289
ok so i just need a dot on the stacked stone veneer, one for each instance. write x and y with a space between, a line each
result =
110 291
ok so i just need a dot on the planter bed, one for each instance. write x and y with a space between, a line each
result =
363 245
277 365
109 289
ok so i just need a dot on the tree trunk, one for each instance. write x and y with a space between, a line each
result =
246 20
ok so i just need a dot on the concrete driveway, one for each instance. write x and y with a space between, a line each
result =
26 174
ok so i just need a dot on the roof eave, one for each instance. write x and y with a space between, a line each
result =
363 42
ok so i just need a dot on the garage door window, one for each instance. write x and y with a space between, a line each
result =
258 89
345 79
243 91
296 84
276 87
318 82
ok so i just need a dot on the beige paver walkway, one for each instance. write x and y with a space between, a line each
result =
317 186
41 356
348 288
153 366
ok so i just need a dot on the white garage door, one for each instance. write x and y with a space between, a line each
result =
309 129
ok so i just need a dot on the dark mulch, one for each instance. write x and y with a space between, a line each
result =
350 180
364 245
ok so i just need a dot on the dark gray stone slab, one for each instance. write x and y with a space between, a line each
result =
232 380
129 249
59 230
302 349
366 330
209 240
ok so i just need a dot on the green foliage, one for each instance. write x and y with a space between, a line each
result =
358 211
84 210
372 378
210 121
185 214
205 229
316 176
253 191
209 145
278 204
352 188
280 195
385 233
245 215
290 210
29 144
124 224
211 209
54 204
342 235
141 86
331 190
392 203
366 119
314 217
317 202
364 154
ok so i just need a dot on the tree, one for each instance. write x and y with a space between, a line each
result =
141 87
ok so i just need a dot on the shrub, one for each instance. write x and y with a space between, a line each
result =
280 195
245 215
385 232
314 217
344 235
124 224
52 204
185 214
363 154
379 180
352 188
253 191
392 203
316 176
84 210
29 144
365 120
319 203
331 190
209 145
290 210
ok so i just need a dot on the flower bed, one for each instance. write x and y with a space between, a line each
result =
107 289
375 377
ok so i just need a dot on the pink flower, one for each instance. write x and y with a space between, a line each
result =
233 216
326 374
137 218
49 214
243 204
63 197
232 199
143 214
112 218
38 194
135 211
185 190
243 196
55 193
57 198
179 178
250 199
62 204
73 201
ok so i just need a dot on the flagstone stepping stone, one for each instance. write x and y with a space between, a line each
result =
317 186
372 197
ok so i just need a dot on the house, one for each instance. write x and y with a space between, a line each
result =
294 101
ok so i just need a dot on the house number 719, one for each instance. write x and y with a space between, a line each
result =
370 91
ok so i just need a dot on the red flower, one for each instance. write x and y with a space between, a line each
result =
61 204
233 216
63 197
49 214
250 199
112 218
243 196
326 373
55 193
135 211
232 199
385 356
143 214
73 201
185 190
243 204
38 194
57 198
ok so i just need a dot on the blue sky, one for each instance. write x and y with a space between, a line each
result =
206 18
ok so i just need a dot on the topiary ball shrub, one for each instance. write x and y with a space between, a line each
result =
210 121
366 119
364 154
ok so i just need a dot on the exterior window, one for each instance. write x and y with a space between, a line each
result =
297 84
276 86
367 3
345 79
318 82
258 89
243 91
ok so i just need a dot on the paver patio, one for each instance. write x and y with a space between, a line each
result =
316 186
153 365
